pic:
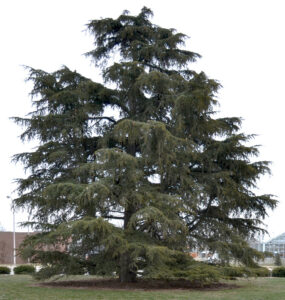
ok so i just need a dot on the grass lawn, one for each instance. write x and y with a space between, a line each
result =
20 287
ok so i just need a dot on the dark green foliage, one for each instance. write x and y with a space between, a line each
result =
24 269
5 270
200 274
231 272
261 272
277 260
278 272
133 193
179 266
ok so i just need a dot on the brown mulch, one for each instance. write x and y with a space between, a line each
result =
115 284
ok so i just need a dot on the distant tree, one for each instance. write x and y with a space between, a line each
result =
134 192
2 228
277 260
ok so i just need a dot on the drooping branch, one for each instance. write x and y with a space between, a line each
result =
104 118
112 217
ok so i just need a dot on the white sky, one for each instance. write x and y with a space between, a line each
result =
241 41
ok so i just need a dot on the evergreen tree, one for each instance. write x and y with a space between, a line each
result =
277 260
136 192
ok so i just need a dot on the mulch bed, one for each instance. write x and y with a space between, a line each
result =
115 284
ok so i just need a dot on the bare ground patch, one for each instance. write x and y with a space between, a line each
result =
115 284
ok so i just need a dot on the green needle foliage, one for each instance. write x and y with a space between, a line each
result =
132 194
277 260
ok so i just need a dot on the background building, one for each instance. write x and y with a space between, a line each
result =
275 245
6 247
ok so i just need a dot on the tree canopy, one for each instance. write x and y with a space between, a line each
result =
134 192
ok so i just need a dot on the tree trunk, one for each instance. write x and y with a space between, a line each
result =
126 272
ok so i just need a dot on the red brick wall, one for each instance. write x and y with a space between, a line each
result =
6 247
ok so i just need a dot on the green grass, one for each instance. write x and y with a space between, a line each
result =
20 287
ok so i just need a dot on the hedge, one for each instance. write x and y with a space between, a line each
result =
4 270
24 269
278 272
232 272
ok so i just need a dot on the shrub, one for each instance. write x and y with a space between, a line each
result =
232 272
24 269
201 274
4 270
196 274
278 272
260 272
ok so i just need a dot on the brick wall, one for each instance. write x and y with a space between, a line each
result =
6 247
